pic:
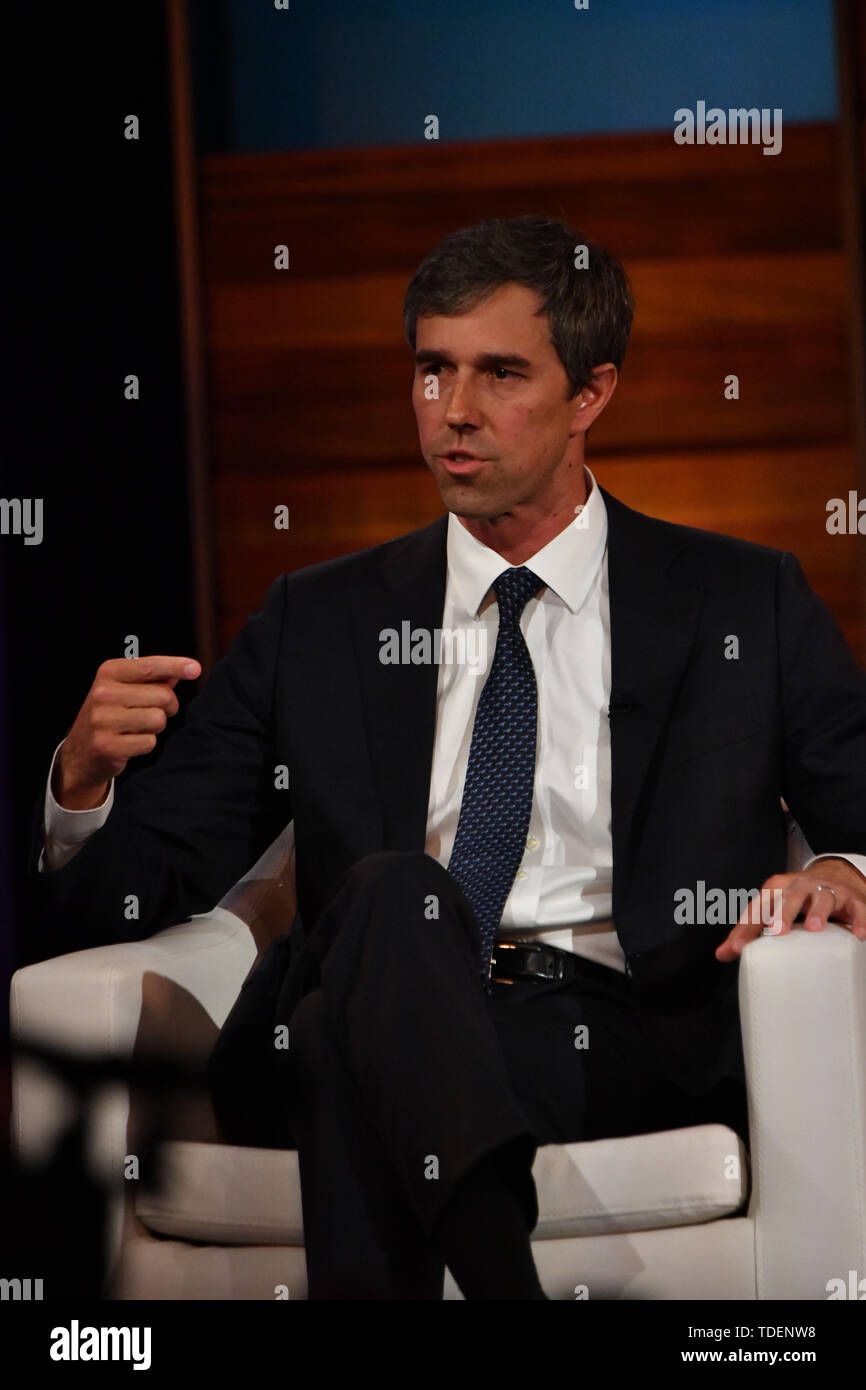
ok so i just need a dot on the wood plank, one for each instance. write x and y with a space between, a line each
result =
404 199
695 292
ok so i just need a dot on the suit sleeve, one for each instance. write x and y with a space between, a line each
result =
181 832
823 718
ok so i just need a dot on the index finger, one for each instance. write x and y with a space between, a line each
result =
155 668
738 937
760 916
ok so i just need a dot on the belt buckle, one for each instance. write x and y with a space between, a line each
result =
554 959
557 963
500 946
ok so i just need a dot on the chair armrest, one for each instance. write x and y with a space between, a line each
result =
100 1001
803 1013
168 994
91 1000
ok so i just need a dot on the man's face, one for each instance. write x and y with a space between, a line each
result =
502 406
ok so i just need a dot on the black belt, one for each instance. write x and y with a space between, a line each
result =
518 960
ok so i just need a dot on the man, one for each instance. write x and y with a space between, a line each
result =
489 953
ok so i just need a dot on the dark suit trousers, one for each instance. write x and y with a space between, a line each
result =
400 1074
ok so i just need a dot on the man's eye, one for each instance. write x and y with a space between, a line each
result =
434 368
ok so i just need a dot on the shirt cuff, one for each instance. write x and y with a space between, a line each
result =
65 831
857 860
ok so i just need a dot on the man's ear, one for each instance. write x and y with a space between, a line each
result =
594 397
601 388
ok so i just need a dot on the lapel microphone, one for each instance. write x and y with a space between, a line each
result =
620 706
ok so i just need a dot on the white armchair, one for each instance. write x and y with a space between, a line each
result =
677 1215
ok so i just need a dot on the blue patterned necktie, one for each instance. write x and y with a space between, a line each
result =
500 774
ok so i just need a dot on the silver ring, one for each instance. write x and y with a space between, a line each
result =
825 888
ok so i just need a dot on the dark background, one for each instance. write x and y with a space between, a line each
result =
90 295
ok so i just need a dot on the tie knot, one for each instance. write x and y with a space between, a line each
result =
513 590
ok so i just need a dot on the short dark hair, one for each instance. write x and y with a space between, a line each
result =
590 310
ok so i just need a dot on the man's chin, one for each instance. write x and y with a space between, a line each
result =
467 501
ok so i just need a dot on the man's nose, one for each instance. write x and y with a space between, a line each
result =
462 406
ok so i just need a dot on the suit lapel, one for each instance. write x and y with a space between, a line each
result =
653 622
400 700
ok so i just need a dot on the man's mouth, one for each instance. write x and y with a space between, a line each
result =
461 461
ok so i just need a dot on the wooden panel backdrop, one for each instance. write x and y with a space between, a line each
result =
737 265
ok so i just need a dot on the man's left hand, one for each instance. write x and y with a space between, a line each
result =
805 892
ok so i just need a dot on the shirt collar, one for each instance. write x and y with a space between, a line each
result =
568 564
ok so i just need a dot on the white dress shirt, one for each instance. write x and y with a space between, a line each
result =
562 892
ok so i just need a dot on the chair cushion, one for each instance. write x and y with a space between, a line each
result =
226 1195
